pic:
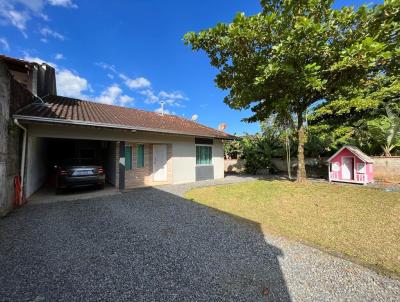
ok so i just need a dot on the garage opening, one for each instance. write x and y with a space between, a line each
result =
68 165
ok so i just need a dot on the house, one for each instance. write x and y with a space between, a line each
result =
350 164
137 148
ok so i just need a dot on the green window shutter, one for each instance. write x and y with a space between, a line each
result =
203 155
128 158
140 156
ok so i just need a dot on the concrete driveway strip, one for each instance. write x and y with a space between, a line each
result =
153 245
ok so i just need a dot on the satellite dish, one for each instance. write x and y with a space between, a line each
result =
195 117
222 127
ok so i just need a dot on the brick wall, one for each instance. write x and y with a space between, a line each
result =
141 177
387 168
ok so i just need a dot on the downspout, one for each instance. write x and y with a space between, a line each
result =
22 173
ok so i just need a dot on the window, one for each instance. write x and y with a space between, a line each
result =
361 168
335 167
128 157
140 156
203 155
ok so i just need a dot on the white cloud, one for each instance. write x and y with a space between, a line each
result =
151 98
132 83
16 18
47 32
106 66
195 117
135 83
59 56
169 99
166 111
125 99
4 44
18 12
173 95
113 96
70 84
63 3
38 60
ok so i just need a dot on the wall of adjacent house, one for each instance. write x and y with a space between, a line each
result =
36 165
4 121
10 138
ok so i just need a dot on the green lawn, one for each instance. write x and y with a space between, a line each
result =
361 223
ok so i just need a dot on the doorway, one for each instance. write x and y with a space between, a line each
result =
347 168
160 162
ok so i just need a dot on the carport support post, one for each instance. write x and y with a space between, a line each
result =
121 166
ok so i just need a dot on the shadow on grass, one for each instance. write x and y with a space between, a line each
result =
144 245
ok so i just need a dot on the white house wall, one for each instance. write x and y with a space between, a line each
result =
184 161
36 172
218 159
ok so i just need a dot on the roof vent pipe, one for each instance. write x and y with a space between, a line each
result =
162 107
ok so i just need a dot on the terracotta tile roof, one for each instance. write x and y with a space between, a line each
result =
73 111
17 64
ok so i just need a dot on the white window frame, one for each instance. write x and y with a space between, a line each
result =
212 155
335 164
363 170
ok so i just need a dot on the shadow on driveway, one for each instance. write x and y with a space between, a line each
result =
144 245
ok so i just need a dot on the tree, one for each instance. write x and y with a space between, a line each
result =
289 57
386 131
347 117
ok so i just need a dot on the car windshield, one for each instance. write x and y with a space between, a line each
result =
80 162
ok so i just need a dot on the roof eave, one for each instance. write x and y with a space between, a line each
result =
112 126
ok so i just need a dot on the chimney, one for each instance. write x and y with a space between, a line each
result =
45 80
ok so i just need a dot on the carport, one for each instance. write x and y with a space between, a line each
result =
45 153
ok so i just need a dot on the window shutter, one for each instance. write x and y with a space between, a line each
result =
140 156
128 158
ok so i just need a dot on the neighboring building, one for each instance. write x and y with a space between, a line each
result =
19 82
350 164
137 148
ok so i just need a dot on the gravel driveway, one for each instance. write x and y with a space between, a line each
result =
153 245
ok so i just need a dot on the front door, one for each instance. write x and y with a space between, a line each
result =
347 168
160 162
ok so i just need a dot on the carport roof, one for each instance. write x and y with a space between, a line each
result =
59 109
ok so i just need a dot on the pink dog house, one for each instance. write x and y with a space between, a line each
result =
350 164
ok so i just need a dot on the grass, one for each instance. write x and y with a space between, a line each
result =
358 222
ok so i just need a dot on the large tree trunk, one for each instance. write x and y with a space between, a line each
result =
301 166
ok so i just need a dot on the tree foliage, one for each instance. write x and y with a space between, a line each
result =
291 56
354 115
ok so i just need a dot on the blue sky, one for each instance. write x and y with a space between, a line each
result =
128 53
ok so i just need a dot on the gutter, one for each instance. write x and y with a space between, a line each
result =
105 125
22 171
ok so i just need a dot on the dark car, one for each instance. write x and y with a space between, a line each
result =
79 172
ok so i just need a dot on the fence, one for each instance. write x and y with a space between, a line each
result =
387 168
